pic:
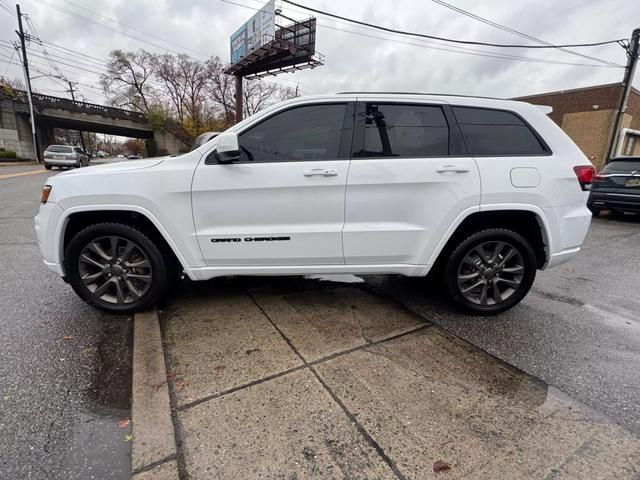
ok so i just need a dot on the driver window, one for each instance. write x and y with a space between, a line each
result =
307 133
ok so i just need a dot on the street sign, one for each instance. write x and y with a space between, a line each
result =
258 31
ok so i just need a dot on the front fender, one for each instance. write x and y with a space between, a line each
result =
183 256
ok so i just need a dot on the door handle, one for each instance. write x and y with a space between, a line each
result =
321 172
451 168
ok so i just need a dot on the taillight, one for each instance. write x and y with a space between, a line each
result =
585 174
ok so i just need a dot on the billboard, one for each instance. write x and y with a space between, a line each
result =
259 30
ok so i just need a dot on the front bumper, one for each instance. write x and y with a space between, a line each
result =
46 223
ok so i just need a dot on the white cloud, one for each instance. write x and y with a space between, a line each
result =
354 61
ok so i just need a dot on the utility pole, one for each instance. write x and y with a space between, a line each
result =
27 79
73 97
632 60
239 106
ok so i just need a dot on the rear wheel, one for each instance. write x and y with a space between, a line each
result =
490 271
47 166
116 268
595 211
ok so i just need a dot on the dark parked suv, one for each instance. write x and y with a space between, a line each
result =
617 187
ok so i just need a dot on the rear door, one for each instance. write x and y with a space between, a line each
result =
409 179
283 202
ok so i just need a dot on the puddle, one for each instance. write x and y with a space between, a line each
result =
99 447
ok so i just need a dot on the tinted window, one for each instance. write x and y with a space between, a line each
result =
304 133
59 149
622 166
393 130
496 132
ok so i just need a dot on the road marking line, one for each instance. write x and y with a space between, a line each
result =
21 174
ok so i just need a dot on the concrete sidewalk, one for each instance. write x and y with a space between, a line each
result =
293 379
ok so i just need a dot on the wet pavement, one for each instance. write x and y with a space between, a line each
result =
65 367
578 329
294 378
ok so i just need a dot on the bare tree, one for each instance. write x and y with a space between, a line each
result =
259 94
221 89
184 80
128 83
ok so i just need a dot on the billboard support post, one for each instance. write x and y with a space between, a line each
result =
239 106
261 48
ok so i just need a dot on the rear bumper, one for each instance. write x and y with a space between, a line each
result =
562 257
61 162
567 228
616 201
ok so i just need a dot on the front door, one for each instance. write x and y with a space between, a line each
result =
283 202
409 179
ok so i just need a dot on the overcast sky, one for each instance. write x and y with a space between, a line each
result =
355 58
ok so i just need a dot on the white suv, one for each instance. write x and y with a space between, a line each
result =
482 191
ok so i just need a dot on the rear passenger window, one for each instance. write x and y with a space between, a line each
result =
396 130
496 133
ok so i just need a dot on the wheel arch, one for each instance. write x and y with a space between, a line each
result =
75 219
528 220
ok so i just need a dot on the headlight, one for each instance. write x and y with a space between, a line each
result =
46 191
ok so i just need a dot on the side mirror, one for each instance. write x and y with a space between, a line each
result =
227 149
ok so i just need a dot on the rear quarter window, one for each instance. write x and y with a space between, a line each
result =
622 166
489 132
59 149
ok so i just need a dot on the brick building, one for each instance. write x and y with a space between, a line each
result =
588 116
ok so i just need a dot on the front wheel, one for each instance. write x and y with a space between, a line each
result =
116 268
490 271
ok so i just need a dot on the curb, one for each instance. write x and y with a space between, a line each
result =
153 452
19 164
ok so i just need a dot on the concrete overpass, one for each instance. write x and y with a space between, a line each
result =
55 112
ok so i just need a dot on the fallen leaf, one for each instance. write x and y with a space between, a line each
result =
181 386
128 437
68 337
158 386
441 466
124 423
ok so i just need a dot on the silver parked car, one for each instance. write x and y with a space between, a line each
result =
65 156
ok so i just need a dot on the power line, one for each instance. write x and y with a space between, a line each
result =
87 19
44 49
135 29
444 39
7 7
438 46
518 33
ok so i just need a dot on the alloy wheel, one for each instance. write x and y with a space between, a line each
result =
490 273
115 270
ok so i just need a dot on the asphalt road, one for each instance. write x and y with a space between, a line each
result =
64 367
578 329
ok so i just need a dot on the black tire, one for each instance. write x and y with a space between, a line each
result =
47 166
157 270
492 272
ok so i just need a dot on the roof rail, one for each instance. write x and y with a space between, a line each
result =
421 93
